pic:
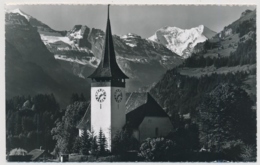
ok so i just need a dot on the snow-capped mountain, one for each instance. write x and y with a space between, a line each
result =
136 56
79 50
182 41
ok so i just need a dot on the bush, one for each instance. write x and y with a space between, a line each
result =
156 149
123 142
111 158
185 137
248 153
232 150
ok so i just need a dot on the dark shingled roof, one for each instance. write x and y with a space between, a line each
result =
85 121
108 67
140 106
36 153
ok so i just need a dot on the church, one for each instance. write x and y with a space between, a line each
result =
111 108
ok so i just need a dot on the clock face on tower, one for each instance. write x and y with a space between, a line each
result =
100 95
118 95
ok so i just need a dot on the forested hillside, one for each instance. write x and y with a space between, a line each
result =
29 120
210 65
217 87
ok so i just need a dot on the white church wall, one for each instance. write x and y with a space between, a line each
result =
101 113
149 125
118 116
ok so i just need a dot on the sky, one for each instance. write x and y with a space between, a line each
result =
143 20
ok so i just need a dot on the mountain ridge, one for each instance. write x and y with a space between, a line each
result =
143 59
83 45
30 67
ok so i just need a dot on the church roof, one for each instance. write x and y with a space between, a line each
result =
108 66
138 106
134 100
37 153
85 121
141 105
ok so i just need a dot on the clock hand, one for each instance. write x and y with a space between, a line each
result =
117 97
100 96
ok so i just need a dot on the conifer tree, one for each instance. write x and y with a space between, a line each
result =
93 144
101 142
85 143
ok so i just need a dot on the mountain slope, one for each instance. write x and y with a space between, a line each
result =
182 41
228 57
208 32
41 27
233 28
227 41
31 68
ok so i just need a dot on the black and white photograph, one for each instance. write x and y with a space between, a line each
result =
130 83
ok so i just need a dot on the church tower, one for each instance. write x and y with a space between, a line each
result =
108 92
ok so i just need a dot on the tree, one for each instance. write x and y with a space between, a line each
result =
225 115
102 144
156 149
85 143
77 145
29 121
65 131
93 144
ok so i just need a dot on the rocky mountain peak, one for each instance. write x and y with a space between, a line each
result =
130 35
18 11
245 13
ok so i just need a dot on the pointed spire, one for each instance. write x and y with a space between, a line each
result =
108 67
108 11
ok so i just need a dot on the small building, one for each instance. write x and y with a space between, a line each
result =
18 155
40 155
146 117
64 158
